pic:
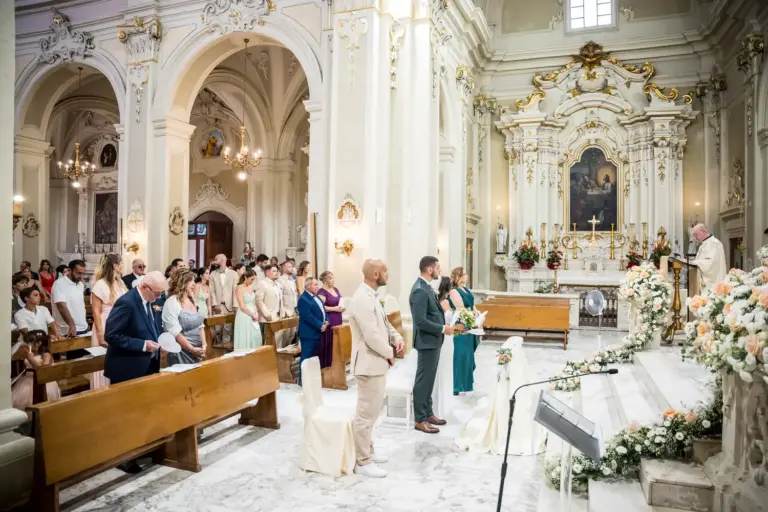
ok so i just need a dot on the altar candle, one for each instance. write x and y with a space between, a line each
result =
543 238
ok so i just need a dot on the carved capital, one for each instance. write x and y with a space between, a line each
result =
142 39
762 138
227 16
64 44
465 81
751 53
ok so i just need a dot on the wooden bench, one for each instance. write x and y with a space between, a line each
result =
528 314
396 320
286 356
63 371
210 323
335 376
80 436
60 346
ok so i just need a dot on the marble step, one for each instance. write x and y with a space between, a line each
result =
675 484
637 402
600 405
673 383
617 495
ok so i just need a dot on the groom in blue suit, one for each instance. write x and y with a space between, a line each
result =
313 321
132 330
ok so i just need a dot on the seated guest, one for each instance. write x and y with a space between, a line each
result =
331 298
181 319
69 301
47 277
107 288
36 353
312 321
33 317
247 332
203 292
132 331
19 282
137 272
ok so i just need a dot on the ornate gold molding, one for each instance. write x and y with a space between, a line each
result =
661 92
484 103
465 80
523 105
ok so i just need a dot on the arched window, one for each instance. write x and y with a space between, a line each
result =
590 14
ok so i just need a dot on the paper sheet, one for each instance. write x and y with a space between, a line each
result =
180 368
96 351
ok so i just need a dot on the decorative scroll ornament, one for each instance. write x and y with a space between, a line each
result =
107 183
348 212
227 16
662 93
210 190
135 217
470 189
30 227
138 76
465 80
176 221
65 44
484 104
396 34
627 12
752 50
350 31
750 115
208 106
533 98
263 65
530 165
736 187
557 20
141 39
590 55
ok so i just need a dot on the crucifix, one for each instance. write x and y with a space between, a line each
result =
593 240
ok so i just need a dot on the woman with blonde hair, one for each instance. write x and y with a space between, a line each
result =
108 286
464 345
182 320
247 332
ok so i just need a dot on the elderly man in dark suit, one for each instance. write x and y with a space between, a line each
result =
428 331
312 321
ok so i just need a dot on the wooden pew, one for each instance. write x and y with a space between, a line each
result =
63 371
286 355
396 320
528 314
335 376
210 324
80 436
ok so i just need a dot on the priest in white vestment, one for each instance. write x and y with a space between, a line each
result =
710 258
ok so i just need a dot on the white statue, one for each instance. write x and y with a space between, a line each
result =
501 238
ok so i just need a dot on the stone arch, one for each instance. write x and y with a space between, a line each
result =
290 133
196 56
42 80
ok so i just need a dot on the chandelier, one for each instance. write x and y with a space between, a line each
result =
242 160
76 169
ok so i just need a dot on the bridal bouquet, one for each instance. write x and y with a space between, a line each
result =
503 356
467 318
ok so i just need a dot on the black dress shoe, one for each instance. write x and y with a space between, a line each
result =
131 467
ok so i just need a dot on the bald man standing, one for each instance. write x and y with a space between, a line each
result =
710 258
374 346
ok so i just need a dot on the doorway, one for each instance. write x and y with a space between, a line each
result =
209 234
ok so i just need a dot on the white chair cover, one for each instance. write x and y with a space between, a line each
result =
486 429
328 444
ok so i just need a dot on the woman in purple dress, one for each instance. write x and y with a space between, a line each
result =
331 297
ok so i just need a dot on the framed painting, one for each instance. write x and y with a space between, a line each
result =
108 156
105 218
212 143
593 191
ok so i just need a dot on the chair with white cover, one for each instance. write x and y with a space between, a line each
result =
400 385
328 445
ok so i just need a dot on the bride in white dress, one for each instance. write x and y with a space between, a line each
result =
442 393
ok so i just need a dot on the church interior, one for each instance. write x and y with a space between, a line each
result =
597 168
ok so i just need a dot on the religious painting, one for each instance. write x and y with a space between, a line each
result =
593 192
212 144
105 218
108 156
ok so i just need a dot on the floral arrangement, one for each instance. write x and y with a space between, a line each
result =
467 318
660 248
633 259
729 330
503 356
554 259
527 255
763 255
671 437
644 288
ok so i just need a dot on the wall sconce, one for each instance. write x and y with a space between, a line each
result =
345 248
17 213
132 248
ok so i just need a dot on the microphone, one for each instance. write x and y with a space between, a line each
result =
610 371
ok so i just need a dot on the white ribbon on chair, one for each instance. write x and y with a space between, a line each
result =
486 429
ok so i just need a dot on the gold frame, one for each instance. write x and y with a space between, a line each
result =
620 170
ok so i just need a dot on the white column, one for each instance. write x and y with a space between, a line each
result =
269 201
16 452
318 188
32 159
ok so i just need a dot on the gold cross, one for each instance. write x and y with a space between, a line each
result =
594 222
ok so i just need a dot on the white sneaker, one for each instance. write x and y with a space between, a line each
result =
379 458
370 470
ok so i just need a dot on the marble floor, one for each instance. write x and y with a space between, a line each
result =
253 469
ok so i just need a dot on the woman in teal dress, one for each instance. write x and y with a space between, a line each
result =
203 292
464 345
247 332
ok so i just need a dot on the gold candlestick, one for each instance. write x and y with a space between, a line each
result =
557 236
613 254
565 264
544 239
645 240
556 288
575 244
632 236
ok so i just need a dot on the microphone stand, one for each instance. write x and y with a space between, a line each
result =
512 401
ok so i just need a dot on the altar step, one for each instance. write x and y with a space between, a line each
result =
620 496
674 383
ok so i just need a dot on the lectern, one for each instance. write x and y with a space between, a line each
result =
694 288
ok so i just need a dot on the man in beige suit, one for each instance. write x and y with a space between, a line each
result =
223 284
290 300
374 346
269 297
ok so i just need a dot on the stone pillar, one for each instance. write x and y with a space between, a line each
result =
32 159
16 451
318 187
712 156
269 201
